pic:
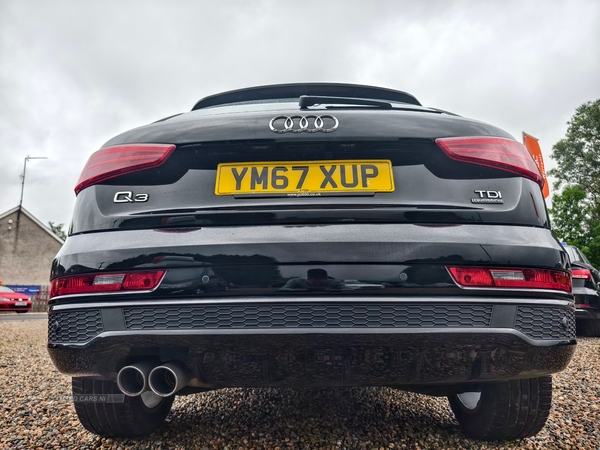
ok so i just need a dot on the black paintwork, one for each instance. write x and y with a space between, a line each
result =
430 187
387 246
181 191
212 126
586 292
325 359
372 252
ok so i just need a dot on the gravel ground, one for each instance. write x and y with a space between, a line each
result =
35 414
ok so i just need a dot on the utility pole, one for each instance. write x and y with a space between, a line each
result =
22 189
23 176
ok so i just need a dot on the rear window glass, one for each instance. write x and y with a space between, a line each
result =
576 255
582 257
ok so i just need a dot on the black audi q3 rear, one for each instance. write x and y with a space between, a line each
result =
310 235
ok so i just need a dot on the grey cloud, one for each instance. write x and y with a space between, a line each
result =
73 74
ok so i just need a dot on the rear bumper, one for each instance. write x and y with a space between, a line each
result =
319 342
12 305
587 304
587 312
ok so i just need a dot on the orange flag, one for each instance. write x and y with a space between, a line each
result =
533 146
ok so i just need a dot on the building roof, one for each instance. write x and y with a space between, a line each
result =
34 219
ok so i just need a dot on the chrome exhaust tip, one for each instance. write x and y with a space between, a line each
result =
132 380
166 379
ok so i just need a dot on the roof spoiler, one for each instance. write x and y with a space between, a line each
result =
280 91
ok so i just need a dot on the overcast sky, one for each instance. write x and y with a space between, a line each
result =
75 73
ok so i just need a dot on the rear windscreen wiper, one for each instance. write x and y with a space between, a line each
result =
312 100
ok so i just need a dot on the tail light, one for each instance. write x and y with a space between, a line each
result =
105 283
498 153
111 162
511 278
582 274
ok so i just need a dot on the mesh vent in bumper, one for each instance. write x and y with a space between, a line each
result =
537 322
74 326
545 322
305 315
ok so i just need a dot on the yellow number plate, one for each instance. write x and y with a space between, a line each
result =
304 177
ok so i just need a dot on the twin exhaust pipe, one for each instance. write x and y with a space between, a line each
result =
164 380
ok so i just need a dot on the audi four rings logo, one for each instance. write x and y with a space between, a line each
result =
299 124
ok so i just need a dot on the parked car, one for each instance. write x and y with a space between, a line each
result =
586 289
13 301
458 287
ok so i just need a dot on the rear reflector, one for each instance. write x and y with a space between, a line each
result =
111 162
86 284
582 274
498 153
511 278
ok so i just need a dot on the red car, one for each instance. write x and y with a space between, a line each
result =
13 301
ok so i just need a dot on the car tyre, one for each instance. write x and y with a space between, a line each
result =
134 417
504 411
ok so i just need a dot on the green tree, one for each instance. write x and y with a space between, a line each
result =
576 211
578 154
570 216
593 248
57 229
